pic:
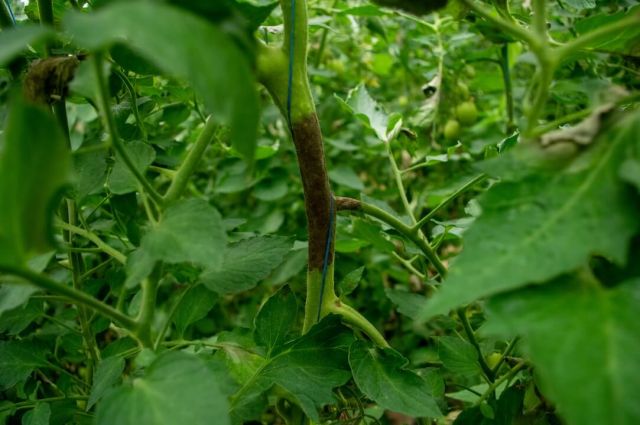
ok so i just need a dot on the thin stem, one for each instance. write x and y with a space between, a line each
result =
508 86
540 19
6 18
462 314
110 123
424 220
397 175
31 403
107 249
134 101
354 318
148 307
507 352
408 232
544 78
74 295
169 319
504 378
188 167
323 40
601 33
505 25
409 265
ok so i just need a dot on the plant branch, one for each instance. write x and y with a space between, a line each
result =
352 317
602 33
110 124
507 26
508 86
424 220
188 167
397 175
6 19
134 101
74 295
107 249
397 224
504 378
148 307
462 314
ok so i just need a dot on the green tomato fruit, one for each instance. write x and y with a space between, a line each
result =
493 359
336 65
452 130
463 90
467 113
403 101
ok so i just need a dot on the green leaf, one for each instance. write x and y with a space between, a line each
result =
187 46
275 320
177 388
246 263
34 166
345 176
108 374
309 368
190 231
382 376
122 180
350 282
458 355
581 4
407 303
18 359
542 225
195 305
625 42
363 106
579 336
39 415
417 7
16 40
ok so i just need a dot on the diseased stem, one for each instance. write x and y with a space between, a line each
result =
188 167
110 124
74 295
107 249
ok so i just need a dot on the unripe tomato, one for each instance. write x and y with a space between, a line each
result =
467 113
463 90
336 65
452 130
493 359
403 101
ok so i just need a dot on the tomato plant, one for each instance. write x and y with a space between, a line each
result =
319 212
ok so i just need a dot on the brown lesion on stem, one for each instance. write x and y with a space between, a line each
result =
307 138
47 79
347 204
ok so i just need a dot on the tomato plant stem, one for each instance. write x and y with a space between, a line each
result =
508 87
504 378
188 167
134 101
107 249
6 20
471 183
74 295
110 124
414 235
148 307
353 317
462 314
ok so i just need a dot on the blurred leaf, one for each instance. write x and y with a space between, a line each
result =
626 42
122 180
222 78
275 320
418 7
362 105
18 359
190 231
407 303
246 263
382 376
458 355
350 282
39 415
309 368
344 175
16 40
195 305
574 213
177 388
107 375
34 166
578 335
